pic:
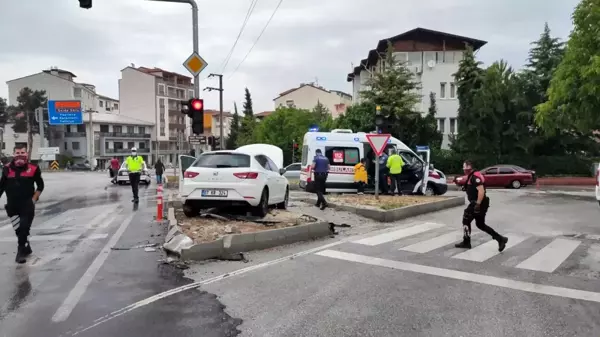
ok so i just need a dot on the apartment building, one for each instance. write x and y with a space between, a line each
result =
107 105
433 57
154 95
212 123
10 138
308 95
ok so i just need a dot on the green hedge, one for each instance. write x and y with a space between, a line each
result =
451 162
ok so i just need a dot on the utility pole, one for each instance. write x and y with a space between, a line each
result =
220 90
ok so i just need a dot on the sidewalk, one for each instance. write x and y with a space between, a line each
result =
554 181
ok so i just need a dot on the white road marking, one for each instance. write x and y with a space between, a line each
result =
489 249
106 223
434 243
64 311
67 237
464 276
551 256
399 234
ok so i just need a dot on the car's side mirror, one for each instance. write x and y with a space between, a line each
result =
282 171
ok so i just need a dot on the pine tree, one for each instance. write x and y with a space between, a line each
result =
429 132
28 101
320 112
544 57
234 131
248 110
248 122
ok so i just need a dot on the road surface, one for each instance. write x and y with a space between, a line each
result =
75 278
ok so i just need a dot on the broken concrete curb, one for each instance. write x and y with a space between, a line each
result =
178 243
398 213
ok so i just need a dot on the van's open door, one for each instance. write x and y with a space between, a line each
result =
425 154
184 163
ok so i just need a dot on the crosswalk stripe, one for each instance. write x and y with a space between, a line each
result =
551 256
434 243
399 234
489 249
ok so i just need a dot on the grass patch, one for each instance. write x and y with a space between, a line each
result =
385 202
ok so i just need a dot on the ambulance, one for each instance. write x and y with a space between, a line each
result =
344 149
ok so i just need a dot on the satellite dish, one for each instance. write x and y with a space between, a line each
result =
431 63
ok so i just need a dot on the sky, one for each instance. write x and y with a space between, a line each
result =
307 40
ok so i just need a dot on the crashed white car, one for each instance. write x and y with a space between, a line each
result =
250 176
123 175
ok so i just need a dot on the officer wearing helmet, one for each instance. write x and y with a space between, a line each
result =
134 164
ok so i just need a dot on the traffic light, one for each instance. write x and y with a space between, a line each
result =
87 4
379 119
196 112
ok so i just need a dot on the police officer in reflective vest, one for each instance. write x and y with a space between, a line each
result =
22 181
134 164
477 208
321 170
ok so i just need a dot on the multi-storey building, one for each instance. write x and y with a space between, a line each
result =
154 95
308 95
433 57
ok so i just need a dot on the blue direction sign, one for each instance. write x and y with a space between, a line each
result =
64 112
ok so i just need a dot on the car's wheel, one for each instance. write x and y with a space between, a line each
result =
284 204
263 206
516 184
430 190
190 210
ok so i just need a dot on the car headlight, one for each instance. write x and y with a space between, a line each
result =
123 173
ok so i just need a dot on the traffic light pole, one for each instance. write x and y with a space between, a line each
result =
220 89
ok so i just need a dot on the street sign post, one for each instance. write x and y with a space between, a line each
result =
54 165
48 151
65 112
378 144
197 140
195 64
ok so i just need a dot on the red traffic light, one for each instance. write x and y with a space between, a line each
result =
197 104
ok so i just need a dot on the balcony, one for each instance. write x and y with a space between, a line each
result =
176 126
124 135
74 134
145 150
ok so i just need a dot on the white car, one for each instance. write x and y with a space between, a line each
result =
598 183
248 176
123 175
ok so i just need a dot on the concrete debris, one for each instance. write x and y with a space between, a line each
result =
150 249
150 245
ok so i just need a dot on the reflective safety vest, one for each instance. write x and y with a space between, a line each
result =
134 164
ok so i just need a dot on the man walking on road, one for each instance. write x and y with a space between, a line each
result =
114 169
134 164
477 208
321 167
22 181
160 169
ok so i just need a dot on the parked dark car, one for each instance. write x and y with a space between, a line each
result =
511 176
80 167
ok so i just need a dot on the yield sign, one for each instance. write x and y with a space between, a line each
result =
378 142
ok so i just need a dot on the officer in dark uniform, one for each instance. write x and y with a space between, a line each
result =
22 181
477 208
320 166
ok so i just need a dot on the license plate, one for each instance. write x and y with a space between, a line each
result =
214 193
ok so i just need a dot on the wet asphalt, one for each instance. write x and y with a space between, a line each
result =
75 219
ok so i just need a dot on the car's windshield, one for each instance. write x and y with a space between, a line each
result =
222 160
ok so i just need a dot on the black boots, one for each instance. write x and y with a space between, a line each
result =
23 251
502 240
466 243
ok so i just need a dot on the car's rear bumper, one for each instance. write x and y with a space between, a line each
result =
238 193
125 179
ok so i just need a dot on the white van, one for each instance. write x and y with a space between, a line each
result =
350 147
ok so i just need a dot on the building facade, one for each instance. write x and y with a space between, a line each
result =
307 96
433 58
154 95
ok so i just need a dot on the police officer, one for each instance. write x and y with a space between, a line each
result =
321 167
22 181
134 164
383 173
477 208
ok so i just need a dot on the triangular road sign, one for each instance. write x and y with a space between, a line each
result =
378 142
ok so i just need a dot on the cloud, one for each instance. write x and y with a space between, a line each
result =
309 40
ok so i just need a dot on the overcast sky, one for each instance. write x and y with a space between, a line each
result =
308 40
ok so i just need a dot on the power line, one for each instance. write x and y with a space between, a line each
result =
248 15
258 38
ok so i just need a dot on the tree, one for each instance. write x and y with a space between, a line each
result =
429 132
359 118
320 112
25 119
234 131
248 122
572 99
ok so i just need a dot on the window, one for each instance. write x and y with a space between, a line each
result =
142 145
452 90
161 89
118 145
80 128
66 146
103 128
77 92
162 116
505 170
264 162
442 125
161 103
443 90
101 103
409 158
493 170
453 126
162 131
130 145
304 155
223 160
106 147
130 129
75 145
415 58
293 167
115 106
348 156
141 130
191 93
290 103
273 166
117 129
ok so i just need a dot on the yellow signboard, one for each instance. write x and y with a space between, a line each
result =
54 165
195 64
